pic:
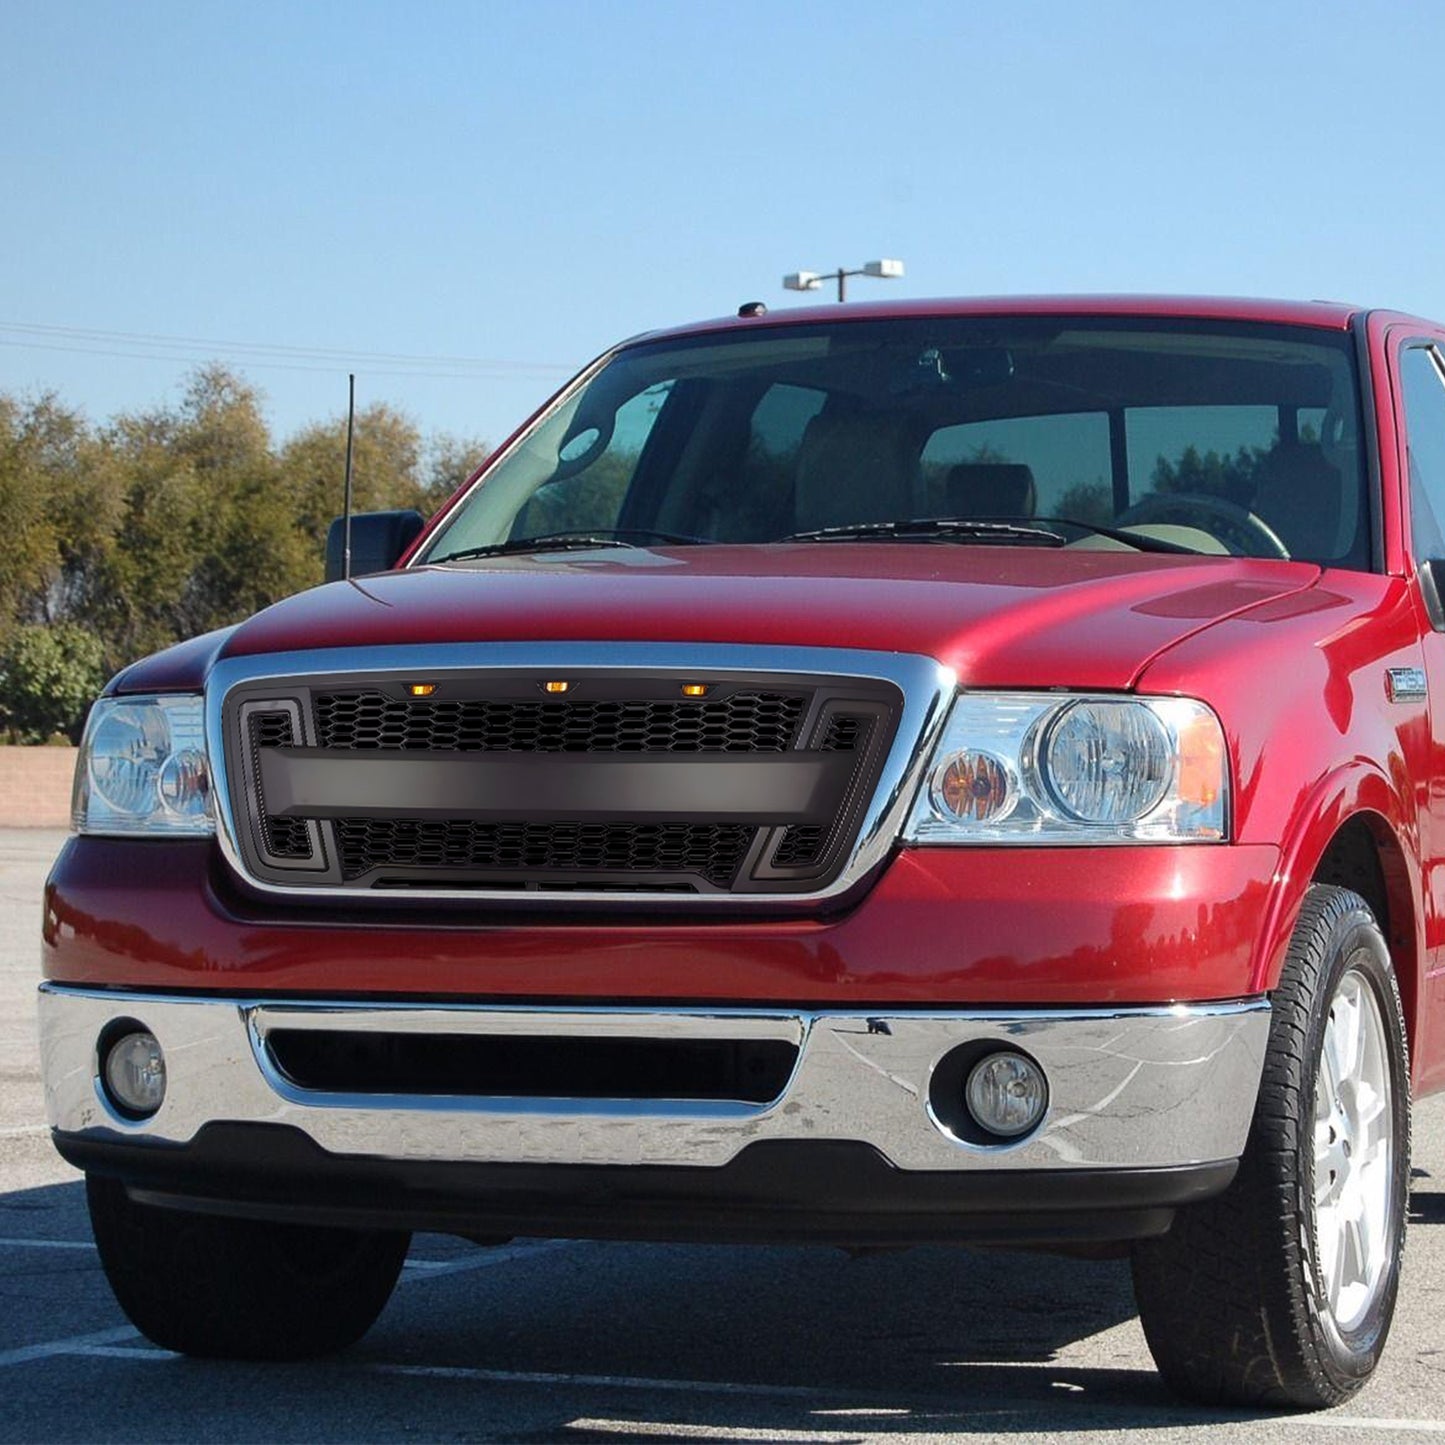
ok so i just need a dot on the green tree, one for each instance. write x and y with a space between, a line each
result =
48 677
179 519
41 448
1217 474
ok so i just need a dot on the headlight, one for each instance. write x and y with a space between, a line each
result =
1045 768
143 768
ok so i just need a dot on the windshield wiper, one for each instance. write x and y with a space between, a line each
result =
1140 541
977 529
932 529
571 541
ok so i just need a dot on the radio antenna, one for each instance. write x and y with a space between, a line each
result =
346 506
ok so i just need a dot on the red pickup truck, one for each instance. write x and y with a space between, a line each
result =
952 771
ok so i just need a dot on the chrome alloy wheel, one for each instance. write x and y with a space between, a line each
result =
1354 1149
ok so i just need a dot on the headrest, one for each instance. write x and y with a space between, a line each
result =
990 489
854 466
1300 495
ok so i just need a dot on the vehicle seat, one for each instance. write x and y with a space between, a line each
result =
989 489
1302 497
854 466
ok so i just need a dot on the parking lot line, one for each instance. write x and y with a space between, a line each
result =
613 1382
485 1257
675 1431
1362 1422
46 1244
71 1345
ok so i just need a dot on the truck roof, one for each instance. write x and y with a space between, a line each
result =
1330 315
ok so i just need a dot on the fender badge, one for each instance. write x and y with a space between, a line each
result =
1405 684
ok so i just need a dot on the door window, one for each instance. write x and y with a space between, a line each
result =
1424 395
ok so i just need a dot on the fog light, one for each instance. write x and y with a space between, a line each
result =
1006 1094
134 1072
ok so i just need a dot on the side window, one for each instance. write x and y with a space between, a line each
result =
1424 395
592 495
1040 466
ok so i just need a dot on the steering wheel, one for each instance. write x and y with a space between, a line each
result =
1184 507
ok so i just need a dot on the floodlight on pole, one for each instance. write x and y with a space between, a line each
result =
884 270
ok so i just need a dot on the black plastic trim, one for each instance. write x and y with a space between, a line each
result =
772 1192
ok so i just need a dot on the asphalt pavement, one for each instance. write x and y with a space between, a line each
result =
543 1340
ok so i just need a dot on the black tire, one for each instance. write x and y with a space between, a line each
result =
244 1289
1233 1300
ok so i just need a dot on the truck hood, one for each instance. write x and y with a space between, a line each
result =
1018 617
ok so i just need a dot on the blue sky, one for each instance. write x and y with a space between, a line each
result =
520 184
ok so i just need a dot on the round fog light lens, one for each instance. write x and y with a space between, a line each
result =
1007 1094
134 1070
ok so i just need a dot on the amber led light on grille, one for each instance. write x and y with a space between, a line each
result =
555 686
694 689
421 689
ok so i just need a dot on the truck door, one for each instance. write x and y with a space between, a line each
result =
1419 368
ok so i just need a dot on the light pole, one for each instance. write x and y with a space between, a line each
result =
813 280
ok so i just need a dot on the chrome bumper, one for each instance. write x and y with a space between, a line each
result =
1129 1088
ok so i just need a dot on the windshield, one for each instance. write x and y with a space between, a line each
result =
1201 436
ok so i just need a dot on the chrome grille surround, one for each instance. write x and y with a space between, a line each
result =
925 685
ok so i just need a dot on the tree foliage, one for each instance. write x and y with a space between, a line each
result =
169 522
48 676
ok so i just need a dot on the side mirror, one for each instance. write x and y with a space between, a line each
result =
1432 589
378 540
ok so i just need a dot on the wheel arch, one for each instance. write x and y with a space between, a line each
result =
1353 831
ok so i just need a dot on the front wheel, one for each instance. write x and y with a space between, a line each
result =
242 1289
1281 1290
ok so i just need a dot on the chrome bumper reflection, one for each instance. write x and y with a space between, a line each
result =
1128 1088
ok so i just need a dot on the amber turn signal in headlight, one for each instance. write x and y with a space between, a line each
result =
973 785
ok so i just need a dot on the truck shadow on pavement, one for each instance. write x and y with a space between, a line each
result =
597 1341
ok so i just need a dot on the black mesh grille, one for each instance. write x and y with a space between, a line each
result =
713 852
847 733
799 846
745 722
285 837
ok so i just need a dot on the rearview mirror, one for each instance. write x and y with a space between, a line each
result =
378 540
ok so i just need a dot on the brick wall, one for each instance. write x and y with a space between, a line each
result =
35 787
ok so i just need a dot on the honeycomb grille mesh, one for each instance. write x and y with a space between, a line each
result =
285 837
801 846
744 722
714 852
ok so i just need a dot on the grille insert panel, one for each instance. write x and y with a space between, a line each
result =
760 787
751 1071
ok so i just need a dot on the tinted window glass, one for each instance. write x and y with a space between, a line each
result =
596 472
776 431
1067 459
1213 435
1425 443
1198 448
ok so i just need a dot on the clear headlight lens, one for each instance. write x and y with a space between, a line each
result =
1049 768
143 768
